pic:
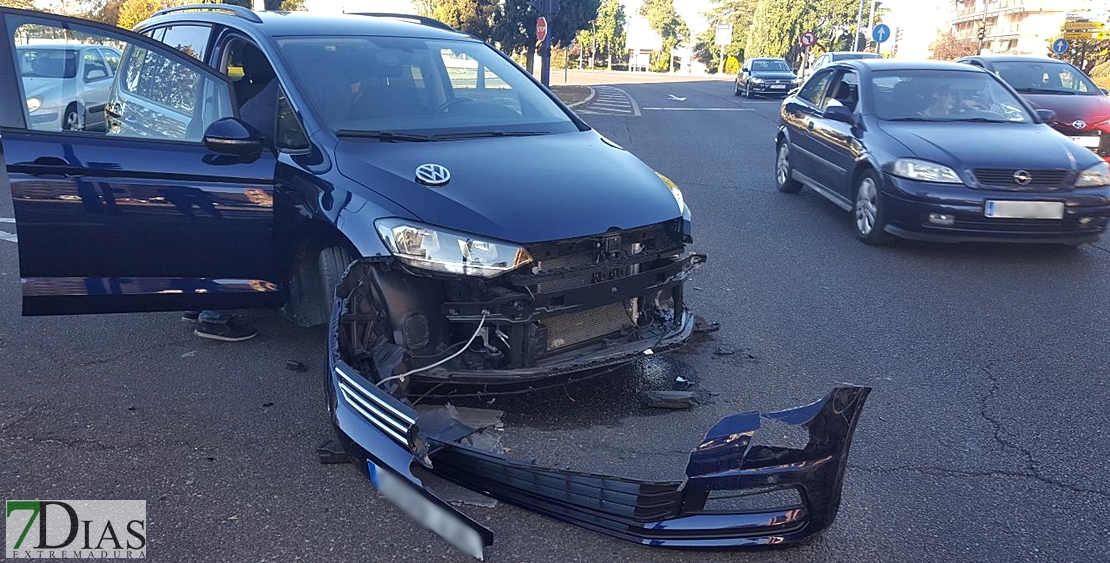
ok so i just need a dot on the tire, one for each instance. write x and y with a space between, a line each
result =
868 215
748 90
783 168
735 88
332 262
70 120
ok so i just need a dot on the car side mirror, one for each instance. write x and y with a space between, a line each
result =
1046 115
95 75
1105 91
837 112
231 136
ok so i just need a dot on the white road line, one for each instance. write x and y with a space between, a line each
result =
631 100
7 220
10 237
699 109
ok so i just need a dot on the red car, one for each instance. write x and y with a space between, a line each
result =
1082 108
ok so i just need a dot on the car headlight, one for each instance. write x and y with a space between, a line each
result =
677 193
925 171
757 80
1097 175
33 103
440 250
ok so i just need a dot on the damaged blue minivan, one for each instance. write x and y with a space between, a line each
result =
479 233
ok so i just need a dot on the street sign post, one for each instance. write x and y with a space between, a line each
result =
545 39
1060 46
541 29
881 33
807 39
1086 35
1083 26
723 39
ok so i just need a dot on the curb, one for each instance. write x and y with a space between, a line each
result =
586 101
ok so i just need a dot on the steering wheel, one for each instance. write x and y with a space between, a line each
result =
452 103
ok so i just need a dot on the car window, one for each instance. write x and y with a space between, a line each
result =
769 66
94 67
189 39
112 58
418 85
814 89
156 97
845 90
261 98
943 95
1047 77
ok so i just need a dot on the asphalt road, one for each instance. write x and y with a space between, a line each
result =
985 438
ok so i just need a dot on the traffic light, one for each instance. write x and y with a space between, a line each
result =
982 33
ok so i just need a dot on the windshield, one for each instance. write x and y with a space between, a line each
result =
944 95
420 87
1048 77
770 66
47 63
852 56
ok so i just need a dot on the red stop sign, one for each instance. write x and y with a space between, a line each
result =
541 28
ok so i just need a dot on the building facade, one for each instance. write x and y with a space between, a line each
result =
1014 27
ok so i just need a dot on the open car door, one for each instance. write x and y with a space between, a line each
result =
166 206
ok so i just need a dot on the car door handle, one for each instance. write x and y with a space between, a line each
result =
54 167
809 124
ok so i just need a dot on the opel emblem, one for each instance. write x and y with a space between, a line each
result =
432 174
1023 177
1079 124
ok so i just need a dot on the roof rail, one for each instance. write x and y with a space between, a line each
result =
238 11
430 22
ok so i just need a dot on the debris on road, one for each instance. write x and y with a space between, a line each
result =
703 326
294 365
666 399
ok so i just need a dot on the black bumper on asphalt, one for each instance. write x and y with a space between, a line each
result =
908 205
792 493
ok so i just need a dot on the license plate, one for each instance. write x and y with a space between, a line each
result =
1024 210
426 512
778 86
1089 142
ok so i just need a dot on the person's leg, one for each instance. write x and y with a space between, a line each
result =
221 325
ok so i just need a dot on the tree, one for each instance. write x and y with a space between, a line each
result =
132 12
610 29
948 47
571 16
471 16
662 17
24 4
737 12
777 26
514 28
293 5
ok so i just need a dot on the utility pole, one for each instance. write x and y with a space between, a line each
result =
859 22
871 24
545 66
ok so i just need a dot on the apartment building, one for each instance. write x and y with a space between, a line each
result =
1015 27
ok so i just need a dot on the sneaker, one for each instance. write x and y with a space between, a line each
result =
227 332
190 316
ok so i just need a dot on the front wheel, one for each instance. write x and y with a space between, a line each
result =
870 219
71 121
748 91
783 180
735 88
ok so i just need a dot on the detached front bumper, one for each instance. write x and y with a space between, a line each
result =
909 204
383 434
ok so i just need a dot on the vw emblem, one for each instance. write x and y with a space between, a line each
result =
432 174
1023 177
1079 124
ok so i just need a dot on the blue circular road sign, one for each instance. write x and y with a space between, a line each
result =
1060 46
880 33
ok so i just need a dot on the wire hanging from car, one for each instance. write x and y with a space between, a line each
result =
444 360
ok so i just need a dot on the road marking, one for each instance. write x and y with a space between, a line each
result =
609 100
10 237
676 98
699 109
7 220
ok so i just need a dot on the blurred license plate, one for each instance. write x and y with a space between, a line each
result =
1024 209
1089 142
778 86
429 514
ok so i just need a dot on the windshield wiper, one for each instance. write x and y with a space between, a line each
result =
1045 91
477 134
912 119
983 120
383 135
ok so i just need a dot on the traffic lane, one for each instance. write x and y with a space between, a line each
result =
922 323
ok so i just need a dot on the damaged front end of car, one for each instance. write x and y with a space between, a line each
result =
735 493
453 308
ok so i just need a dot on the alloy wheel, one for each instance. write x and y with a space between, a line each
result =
866 206
782 164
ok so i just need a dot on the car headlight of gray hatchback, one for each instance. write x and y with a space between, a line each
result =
442 250
924 171
33 104
1097 175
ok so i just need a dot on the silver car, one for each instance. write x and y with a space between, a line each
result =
67 85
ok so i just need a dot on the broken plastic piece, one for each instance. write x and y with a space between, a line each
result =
702 326
332 452
677 400
294 365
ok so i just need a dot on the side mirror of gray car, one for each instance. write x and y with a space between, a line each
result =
231 136
1046 115
1105 91
95 75
838 112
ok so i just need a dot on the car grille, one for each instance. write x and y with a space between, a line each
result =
1003 178
579 260
574 328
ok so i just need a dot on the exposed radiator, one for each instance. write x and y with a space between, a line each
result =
575 328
